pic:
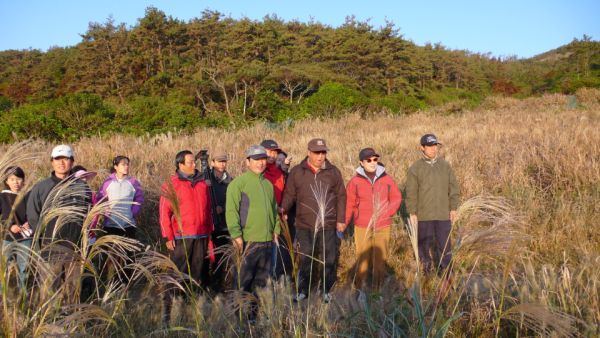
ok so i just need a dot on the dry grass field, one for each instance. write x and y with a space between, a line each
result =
527 242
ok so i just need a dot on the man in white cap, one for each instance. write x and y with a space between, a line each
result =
57 191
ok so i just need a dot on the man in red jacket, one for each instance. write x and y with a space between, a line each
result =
372 199
185 220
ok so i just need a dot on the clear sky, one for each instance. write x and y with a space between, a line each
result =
503 27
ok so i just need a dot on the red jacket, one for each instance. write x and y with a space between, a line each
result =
194 208
277 178
361 195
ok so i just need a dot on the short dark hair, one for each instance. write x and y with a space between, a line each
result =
180 157
118 160
13 170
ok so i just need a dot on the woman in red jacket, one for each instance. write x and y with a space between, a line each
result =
372 199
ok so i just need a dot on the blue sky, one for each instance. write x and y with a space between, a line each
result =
510 27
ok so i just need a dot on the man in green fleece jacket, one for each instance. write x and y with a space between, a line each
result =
252 221
432 197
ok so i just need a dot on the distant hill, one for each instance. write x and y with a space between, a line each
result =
164 74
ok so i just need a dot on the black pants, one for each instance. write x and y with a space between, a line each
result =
255 270
189 257
322 245
221 266
435 248
122 274
282 259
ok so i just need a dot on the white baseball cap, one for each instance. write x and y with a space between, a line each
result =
62 150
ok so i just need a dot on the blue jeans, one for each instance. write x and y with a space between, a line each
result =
20 252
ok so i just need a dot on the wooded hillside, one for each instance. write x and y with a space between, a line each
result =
163 74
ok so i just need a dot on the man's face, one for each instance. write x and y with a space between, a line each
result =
62 166
188 167
272 153
219 166
370 164
316 158
430 151
256 166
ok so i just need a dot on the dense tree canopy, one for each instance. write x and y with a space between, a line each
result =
166 74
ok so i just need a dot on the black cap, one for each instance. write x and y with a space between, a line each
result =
270 144
429 140
367 153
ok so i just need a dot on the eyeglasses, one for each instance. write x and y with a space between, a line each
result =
374 159
319 152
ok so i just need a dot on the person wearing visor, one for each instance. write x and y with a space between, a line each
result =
316 188
372 200
253 223
432 198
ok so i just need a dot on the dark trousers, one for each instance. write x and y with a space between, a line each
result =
322 245
255 270
435 248
122 274
189 257
221 265
282 260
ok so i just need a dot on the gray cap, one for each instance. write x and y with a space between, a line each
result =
256 152
220 156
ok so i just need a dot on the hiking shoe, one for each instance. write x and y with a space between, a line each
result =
299 297
327 297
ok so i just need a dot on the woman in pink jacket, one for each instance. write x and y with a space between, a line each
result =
372 199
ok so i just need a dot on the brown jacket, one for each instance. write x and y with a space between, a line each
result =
304 188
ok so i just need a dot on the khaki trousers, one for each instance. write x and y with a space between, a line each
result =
372 246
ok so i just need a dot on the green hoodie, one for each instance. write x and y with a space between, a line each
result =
431 190
250 208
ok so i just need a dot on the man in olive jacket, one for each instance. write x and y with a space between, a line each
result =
432 197
317 189
252 221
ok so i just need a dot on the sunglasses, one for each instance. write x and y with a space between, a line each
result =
374 159
319 152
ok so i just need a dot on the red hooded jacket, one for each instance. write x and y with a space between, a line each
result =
362 195
194 208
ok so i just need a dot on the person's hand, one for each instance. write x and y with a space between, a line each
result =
15 229
26 226
288 160
452 216
239 243
341 227
414 220
284 217
276 239
219 209
170 245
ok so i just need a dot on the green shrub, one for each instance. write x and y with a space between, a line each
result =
331 100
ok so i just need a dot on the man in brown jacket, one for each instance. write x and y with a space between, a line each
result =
317 189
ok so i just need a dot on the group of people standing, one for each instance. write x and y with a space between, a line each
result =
312 206
281 221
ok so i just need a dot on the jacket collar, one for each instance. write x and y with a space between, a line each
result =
326 164
429 160
195 178
380 171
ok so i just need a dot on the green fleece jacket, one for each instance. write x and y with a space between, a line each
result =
250 208
431 190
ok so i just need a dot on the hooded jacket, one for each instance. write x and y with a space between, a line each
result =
123 191
304 187
372 204
191 198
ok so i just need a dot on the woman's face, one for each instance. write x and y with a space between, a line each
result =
122 169
15 184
